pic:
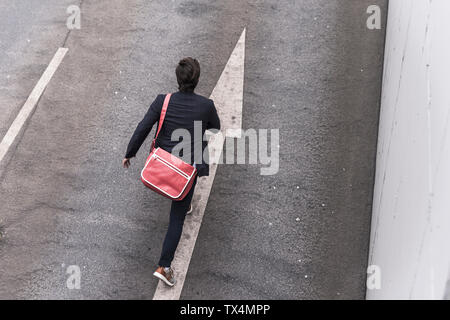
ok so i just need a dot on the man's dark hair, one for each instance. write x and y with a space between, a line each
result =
188 72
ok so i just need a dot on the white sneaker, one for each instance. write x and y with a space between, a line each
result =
165 275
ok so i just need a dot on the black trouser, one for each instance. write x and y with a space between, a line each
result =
177 214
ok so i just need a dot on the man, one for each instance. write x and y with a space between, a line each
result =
185 108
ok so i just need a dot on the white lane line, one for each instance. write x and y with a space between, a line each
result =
30 104
228 94
228 98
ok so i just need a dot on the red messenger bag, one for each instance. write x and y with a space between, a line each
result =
165 173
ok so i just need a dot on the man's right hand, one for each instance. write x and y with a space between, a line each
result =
126 163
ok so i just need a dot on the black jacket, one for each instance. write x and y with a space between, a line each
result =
184 108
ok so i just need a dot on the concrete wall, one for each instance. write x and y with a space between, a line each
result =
410 237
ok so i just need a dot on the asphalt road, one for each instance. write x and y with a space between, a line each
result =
312 69
30 32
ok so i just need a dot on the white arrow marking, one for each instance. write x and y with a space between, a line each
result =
228 93
30 104
228 98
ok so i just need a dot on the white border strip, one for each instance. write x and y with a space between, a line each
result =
30 104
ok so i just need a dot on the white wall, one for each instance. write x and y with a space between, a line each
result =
410 238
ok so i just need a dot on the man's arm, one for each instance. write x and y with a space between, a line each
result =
213 121
144 127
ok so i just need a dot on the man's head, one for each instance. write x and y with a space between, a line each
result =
188 72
